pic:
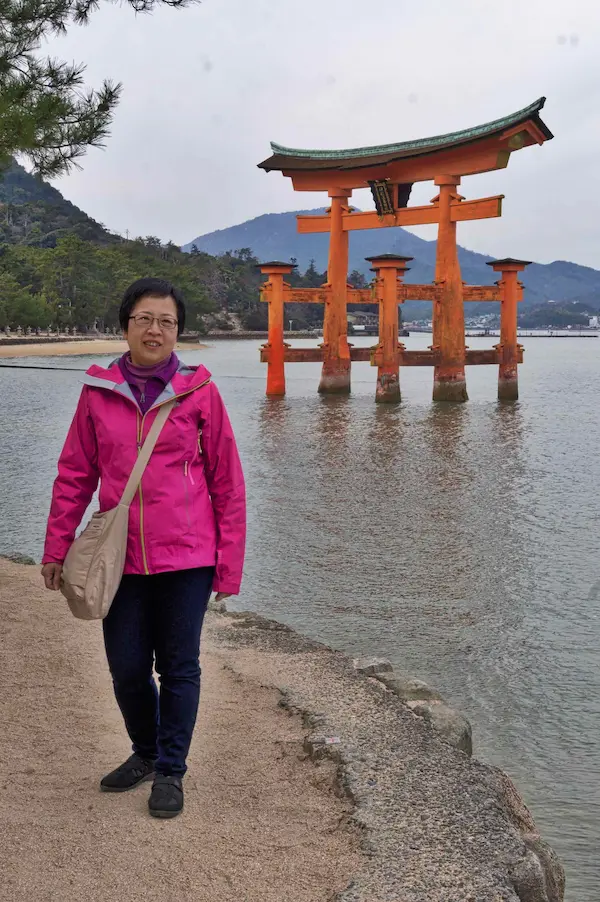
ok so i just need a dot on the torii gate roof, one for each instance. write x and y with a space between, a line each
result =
501 136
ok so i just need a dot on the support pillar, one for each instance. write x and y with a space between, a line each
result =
274 350
512 292
449 383
389 271
335 375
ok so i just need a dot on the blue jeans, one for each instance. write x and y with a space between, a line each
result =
158 620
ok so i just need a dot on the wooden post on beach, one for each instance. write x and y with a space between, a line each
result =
512 293
274 349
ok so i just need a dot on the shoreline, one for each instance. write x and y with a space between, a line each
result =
81 348
417 818
436 824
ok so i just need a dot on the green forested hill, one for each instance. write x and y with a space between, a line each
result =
59 267
33 212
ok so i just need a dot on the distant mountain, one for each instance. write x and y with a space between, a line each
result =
273 236
33 212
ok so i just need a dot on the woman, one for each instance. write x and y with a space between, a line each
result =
186 530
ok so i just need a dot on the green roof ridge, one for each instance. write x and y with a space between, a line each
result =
466 134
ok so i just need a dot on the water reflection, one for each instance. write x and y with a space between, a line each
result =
507 421
387 431
445 424
273 412
332 422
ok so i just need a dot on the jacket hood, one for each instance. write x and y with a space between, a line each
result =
186 379
192 376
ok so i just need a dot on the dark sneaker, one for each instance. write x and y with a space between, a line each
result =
131 773
166 798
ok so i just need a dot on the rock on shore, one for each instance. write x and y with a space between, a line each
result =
17 558
423 701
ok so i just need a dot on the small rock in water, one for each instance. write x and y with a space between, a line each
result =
410 689
372 666
539 874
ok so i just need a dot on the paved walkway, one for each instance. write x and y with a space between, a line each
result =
261 823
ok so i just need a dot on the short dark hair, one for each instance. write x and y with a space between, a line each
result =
151 288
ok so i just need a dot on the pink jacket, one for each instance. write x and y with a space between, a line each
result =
190 509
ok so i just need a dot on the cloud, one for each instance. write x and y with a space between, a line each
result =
206 88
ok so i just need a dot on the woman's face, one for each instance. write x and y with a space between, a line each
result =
152 330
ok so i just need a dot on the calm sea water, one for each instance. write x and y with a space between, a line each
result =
462 542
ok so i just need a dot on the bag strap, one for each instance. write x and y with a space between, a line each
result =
145 452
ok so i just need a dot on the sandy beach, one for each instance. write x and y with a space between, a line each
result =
77 348
261 821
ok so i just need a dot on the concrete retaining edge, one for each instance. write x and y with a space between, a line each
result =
480 842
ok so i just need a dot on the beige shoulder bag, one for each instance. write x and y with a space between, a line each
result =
94 564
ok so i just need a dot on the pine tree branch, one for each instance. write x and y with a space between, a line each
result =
45 114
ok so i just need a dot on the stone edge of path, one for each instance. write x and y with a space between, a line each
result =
403 756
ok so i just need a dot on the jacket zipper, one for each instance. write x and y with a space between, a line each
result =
142 537
139 447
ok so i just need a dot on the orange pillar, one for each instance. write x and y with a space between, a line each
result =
335 375
512 289
449 382
275 347
389 271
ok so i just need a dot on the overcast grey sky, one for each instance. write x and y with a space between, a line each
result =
207 88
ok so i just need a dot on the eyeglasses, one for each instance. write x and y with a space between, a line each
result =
165 323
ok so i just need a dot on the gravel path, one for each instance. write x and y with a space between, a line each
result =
261 822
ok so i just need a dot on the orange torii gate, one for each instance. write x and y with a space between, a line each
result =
390 171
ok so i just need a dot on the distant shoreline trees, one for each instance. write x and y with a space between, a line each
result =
79 284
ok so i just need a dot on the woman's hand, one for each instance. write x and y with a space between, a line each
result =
221 596
51 574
